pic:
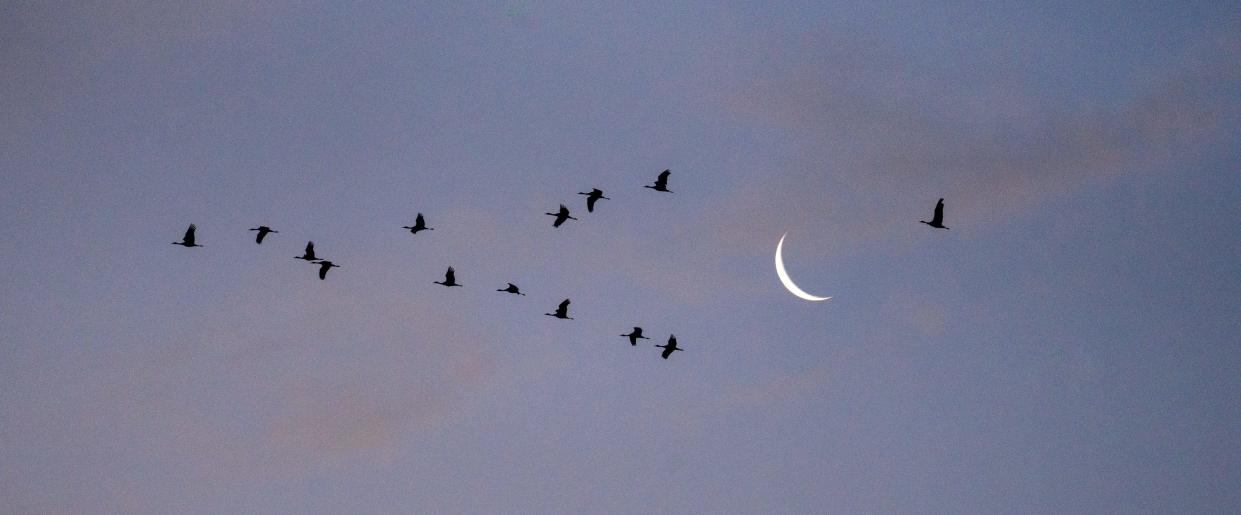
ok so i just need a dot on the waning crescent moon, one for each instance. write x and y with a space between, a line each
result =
786 281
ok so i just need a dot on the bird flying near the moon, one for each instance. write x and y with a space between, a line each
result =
788 282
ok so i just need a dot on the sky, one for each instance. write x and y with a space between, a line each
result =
1070 345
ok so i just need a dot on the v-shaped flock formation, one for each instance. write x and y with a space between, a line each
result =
450 276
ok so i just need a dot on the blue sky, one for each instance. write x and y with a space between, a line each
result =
1069 346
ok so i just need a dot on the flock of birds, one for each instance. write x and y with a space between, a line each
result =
561 216
450 277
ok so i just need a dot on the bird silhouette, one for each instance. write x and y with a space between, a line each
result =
661 184
633 336
512 288
594 195
310 253
420 224
562 311
450 278
188 239
671 347
938 221
561 216
263 230
324 266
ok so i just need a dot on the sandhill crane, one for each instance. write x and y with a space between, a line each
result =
324 266
450 278
310 253
671 347
635 335
561 216
512 288
188 239
420 224
661 184
562 311
938 221
594 195
263 230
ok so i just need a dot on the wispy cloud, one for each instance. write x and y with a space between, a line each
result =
876 141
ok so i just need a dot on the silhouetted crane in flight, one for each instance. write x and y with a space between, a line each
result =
633 337
561 216
324 266
419 225
310 253
562 311
263 230
671 347
450 278
512 288
595 194
188 239
661 184
938 221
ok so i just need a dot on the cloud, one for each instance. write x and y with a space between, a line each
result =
876 139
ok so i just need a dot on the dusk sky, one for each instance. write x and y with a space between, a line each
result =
1071 345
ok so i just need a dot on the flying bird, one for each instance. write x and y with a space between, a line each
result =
450 278
938 221
263 230
420 224
561 216
310 253
188 239
562 311
324 266
595 194
633 337
512 288
661 184
671 347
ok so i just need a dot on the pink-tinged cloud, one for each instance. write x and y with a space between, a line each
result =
875 143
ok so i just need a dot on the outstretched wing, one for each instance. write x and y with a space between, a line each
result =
262 234
323 268
564 306
189 235
418 221
663 178
590 203
939 213
450 276
310 248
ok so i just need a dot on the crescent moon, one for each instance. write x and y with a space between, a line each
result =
786 281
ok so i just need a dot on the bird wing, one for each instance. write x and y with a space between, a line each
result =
310 248
564 305
590 203
419 220
559 220
564 211
262 233
323 268
450 276
663 177
189 234
672 341
939 212
512 286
